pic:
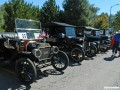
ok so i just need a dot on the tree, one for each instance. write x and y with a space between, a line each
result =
49 11
78 12
19 9
101 21
1 18
116 22
61 16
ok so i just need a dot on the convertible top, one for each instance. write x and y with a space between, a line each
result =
56 24
88 27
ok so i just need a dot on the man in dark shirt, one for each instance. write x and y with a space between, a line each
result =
116 43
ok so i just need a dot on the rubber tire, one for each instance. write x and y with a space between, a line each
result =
89 54
82 52
103 50
32 67
60 54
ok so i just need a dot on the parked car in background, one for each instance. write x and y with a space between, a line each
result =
95 36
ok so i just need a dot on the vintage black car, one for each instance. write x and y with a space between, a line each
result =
27 48
96 36
109 34
64 36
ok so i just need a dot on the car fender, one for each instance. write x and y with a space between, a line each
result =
79 46
23 55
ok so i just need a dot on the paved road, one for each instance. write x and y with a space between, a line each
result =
92 74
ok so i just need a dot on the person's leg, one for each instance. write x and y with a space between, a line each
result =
116 47
118 51
113 50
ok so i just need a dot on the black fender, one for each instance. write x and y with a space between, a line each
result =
23 55
79 46
95 43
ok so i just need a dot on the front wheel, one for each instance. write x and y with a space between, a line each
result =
77 54
26 70
91 51
60 61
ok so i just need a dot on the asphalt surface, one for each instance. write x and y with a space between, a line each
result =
99 73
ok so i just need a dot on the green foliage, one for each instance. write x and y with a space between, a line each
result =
19 9
101 21
116 22
78 12
1 19
61 16
49 11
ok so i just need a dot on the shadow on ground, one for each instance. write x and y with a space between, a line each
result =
47 72
88 58
73 63
111 58
53 72
9 80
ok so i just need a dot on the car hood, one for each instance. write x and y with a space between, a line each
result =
76 38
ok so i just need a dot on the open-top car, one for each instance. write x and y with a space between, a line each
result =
27 48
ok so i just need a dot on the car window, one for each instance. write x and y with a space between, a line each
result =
70 31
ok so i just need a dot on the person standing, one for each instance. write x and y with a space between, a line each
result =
116 43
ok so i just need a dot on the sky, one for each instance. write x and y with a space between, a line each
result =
104 5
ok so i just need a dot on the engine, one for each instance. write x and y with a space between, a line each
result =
42 51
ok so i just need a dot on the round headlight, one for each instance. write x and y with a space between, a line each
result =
37 53
55 49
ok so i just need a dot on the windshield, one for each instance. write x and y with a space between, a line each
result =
87 31
96 32
70 31
23 23
28 29
107 32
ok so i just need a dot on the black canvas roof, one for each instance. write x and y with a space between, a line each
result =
57 24
88 27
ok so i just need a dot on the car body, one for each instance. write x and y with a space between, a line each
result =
26 49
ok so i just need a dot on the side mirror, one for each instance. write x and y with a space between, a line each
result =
61 35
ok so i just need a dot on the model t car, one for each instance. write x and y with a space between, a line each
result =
108 33
63 35
94 36
27 48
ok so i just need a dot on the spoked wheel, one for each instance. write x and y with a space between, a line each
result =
77 54
60 61
26 70
97 46
91 51
103 48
